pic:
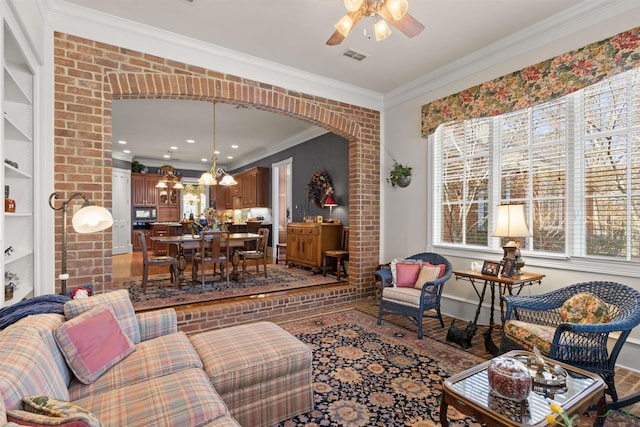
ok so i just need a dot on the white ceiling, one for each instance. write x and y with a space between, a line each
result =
293 33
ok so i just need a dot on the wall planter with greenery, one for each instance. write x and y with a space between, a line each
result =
399 176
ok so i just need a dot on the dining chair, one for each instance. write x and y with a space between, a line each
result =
259 254
212 251
155 261
341 255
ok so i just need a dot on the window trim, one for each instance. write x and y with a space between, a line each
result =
571 260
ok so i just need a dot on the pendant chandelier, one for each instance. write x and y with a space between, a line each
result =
169 178
211 176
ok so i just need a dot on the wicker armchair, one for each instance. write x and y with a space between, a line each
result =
413 303
584 345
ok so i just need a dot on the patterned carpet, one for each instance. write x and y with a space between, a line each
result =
161 292
370 375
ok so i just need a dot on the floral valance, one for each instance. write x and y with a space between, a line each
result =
538 83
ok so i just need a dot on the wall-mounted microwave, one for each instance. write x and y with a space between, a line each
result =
144 214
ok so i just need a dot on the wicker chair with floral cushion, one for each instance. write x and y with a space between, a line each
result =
413 286
573 324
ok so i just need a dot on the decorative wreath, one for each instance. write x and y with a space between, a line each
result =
319 187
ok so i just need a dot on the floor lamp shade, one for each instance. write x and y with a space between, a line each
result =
88 219
91 219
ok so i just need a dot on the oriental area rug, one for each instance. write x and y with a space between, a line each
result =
160 292
370 375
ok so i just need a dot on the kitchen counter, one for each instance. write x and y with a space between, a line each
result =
168 223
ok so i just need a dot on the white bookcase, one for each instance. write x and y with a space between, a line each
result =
17 95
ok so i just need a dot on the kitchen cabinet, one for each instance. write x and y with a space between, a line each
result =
17 95
168 197
222 197
143 189
255 188
308 241
159 230
168 213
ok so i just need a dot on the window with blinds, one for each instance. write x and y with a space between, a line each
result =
527 156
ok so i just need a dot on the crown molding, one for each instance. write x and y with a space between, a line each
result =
543 36
94 25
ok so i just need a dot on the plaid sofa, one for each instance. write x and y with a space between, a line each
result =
163 382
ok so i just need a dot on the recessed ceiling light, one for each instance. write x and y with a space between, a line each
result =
204 160
191 141
235 146
216 152
167 156
122 141
126 151
229 157
173 147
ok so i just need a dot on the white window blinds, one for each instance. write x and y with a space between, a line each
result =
527 156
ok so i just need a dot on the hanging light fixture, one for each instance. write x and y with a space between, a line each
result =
397 8
169 177
211 176
381 29
382 12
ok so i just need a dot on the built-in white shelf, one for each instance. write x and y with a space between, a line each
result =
17 228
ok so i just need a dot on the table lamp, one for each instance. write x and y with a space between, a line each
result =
88 219
511 224
331 202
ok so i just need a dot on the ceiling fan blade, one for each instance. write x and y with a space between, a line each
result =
407 25
337 38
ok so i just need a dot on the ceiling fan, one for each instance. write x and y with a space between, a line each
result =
393 11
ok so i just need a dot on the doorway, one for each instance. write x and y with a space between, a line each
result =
281 194
121 210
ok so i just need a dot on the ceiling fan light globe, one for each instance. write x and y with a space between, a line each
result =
397 8
381 30
352 5
344 25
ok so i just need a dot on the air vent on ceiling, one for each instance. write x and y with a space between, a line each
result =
354 54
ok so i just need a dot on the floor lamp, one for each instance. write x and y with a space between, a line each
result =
88 219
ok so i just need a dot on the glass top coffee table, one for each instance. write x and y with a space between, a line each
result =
469 393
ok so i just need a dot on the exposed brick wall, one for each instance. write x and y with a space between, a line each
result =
203 317
89 75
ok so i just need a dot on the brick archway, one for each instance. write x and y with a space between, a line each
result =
89 75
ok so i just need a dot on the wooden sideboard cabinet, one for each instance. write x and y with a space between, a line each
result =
307 242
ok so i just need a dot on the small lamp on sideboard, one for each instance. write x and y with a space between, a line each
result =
331 202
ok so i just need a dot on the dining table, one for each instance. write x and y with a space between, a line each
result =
179 244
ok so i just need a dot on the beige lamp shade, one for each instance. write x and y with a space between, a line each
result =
91 219
511 222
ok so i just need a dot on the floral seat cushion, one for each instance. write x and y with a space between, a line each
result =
530 335
585 307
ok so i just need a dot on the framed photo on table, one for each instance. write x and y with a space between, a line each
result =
491 268
507 268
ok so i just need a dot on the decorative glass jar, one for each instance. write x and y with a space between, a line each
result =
509 378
